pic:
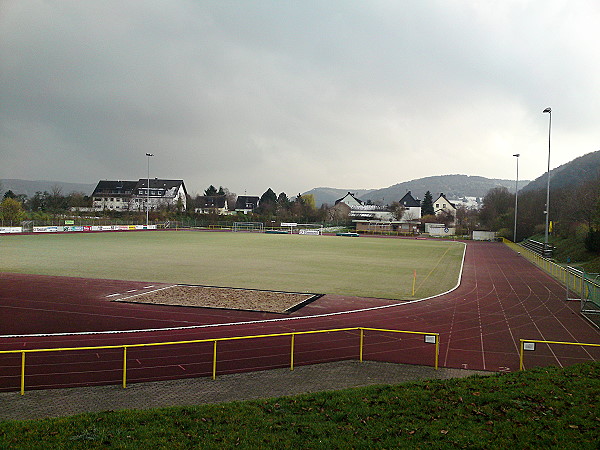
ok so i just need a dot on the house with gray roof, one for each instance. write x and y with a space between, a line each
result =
135 195
412 207
246 204
211 204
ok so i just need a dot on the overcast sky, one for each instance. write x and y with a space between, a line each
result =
295 94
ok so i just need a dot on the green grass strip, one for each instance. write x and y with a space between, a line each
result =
539 408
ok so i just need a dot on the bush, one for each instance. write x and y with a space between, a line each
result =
592 240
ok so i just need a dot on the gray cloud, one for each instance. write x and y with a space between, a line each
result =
293 95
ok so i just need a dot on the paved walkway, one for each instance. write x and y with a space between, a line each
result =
37 404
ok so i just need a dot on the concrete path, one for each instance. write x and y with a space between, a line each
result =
37 404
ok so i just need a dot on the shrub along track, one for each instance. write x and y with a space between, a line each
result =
501 298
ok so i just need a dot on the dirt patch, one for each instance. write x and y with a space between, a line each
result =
226 298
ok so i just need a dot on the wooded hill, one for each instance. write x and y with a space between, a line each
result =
453 186
574 173
29 188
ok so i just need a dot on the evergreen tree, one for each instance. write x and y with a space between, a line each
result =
210 191
427 205
592 240
268 201
283 200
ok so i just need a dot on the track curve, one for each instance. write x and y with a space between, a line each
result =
501 299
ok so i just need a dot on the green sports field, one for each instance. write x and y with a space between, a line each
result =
365 267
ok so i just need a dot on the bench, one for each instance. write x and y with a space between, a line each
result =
542 249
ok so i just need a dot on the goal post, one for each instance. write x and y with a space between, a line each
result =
249 226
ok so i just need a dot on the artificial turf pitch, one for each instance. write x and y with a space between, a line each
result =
364 267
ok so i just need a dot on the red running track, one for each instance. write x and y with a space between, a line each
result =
501 299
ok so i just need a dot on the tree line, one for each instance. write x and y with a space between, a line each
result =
574 211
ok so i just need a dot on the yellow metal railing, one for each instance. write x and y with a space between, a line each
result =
429 337
556 271
572 279
534 341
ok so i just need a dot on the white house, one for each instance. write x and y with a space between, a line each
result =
135 195
443 204
412 207
360 210
113 195
246 204
212 204
372 212
350 200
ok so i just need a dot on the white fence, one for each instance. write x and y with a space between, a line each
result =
79 228
484 235
11 229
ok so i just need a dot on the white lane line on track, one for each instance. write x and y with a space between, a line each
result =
134 290
249 322
147 292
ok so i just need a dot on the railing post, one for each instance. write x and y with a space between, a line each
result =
214 373
362 338
292 353
124 367
22 373
521 356
437 351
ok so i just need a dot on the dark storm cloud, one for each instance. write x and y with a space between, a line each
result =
293 95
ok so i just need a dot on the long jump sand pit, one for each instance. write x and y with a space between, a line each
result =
224 298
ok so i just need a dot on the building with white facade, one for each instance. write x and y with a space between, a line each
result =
443 204
135 195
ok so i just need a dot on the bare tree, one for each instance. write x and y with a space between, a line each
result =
397 210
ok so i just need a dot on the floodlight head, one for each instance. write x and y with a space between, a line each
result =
149 154
517 154
548 110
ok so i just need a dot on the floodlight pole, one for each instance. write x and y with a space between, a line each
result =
549 111
516 197
148 189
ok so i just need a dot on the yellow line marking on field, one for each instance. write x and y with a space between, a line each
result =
433 269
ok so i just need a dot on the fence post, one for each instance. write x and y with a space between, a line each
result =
292 353
22 373
124 366
521 355
437 351
214 373
362 338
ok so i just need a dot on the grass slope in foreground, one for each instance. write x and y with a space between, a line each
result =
365 267
539 408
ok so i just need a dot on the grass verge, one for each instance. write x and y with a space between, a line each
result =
572 249
540 408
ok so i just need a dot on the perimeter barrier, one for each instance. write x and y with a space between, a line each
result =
576 281
529 345
430 338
